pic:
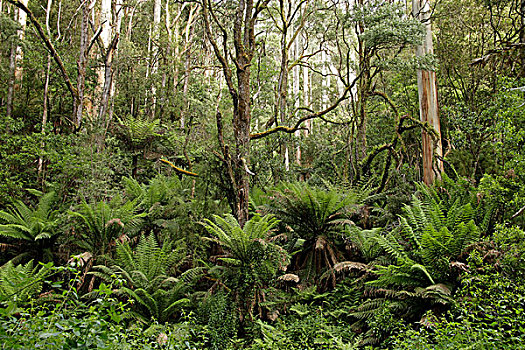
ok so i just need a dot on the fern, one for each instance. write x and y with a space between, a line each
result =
427 239
20 282
252 261
101 224
318 218
146 272
34 228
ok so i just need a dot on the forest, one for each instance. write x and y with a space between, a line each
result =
262 174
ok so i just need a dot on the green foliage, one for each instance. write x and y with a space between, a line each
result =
100 225
316 219
160 191
450 193
488 315
387 25
308 326
35 228
511 242
162 200
100 324
139 132
19 283
217 312
22 222
430 236
425 248
18 155
252 261
507 193
146 276
365 242
313 212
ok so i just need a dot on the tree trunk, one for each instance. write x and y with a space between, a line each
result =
11 82
22 21
296 93
522 39
46 93
241 130
428 103
282 88
157 7
244 45
119 9
82 63
15 59
102 71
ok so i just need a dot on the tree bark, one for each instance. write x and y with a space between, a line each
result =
46 93
428 103
82 63
244 45
15 59
103 76
157 7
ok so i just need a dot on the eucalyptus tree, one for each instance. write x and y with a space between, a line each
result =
235 50
373 38
15 57
428 102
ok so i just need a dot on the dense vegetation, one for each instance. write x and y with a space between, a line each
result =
262 175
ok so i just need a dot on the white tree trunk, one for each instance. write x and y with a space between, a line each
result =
46 91
157 7
22 21
105 38
428 103
325 82
296 88
15 59
306 97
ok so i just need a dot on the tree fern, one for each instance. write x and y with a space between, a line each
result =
316 217
34 228
100 224
147 280
251 260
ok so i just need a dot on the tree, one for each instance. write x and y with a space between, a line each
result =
15 58
245 15
428 103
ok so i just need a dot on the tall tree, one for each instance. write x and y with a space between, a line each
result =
428 102
15 58
245 15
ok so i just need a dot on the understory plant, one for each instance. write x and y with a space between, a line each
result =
315 220
31 231
147 278
250 260
100 225
426 250
19 283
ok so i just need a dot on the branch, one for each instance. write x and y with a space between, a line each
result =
51 48
222 58
518 213
484 59
319 114
177 169
285 129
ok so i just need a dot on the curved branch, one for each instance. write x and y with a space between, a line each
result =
177 169
320 114
285 129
